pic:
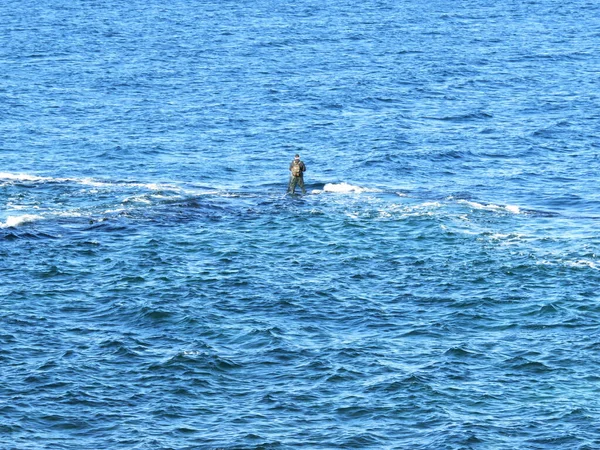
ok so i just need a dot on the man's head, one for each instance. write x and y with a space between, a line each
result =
297 156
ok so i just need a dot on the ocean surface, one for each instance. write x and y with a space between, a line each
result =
436 288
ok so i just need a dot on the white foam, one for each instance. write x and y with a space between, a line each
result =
579 264
137 199
582 263
491 207
69 214
16 207
423 209
479 205
149 186
345 188
15 221
84 181
429 205
499 236
91 182
25 177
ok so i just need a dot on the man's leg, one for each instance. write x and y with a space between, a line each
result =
292 185
301 184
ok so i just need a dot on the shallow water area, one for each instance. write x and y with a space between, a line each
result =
436 288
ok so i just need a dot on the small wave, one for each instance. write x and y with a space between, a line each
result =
477 115
15 221
453 154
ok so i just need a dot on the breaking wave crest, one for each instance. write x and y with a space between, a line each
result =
16 221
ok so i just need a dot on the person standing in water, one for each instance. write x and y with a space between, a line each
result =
297 169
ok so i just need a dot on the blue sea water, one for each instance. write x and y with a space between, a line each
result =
437 288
